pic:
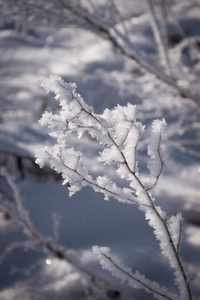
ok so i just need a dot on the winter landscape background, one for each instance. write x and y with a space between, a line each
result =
36 41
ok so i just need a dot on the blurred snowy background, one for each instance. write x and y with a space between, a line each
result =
47 37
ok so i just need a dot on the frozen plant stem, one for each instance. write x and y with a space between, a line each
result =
120 17
161 43
121 42
87 15
118 133
14 207
106 258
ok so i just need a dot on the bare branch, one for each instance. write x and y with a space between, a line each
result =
120 17
162 47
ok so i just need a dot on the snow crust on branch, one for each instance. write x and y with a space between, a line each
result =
136 280
175 227
118 133
56 84
155 165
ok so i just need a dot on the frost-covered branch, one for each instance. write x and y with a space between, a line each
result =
123 273
27 245
15 209
122 43
80 14
154 151
118 133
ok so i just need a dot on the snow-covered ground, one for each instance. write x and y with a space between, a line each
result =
104 79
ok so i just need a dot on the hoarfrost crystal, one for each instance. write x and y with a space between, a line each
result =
118 133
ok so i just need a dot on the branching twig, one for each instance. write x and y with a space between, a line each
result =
113 131
19 213
128 50
78 15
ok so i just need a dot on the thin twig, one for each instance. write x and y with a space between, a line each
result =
120 17
132 277
134 55
163 51
39 240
